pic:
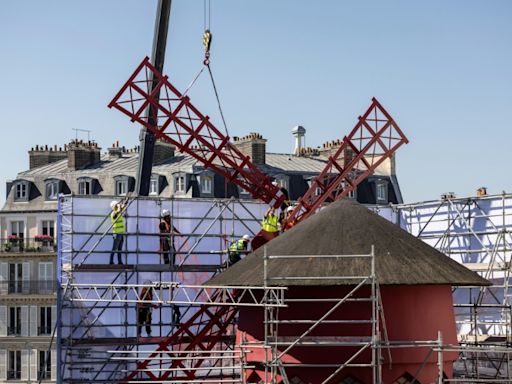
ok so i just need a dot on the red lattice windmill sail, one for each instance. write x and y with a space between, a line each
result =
181 123
374 139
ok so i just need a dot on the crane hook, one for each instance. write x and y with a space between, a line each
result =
207 41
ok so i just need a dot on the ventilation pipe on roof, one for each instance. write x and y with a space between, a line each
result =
299 132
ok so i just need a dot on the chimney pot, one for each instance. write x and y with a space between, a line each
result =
254 146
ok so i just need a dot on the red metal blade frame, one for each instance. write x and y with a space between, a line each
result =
204 334
375 138
181 123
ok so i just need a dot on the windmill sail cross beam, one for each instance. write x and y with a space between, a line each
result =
370 145
183 125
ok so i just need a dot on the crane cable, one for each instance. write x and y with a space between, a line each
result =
207 42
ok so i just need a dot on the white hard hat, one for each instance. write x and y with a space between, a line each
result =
113 203
165 212
274 183
246 237
290 208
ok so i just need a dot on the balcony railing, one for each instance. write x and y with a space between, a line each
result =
28 287
44 375
44 330
27 245
14 331
13 375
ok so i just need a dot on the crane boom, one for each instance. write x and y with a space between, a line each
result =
146 137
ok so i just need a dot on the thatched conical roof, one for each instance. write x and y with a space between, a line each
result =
348 228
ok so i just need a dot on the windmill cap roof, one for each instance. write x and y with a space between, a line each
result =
346 227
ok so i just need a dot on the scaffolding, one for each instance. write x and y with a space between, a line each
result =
97 340
279 340
475 232
98 301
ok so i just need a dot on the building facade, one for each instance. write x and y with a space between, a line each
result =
28 223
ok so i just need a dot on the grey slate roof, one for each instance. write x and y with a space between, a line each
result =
348 228
107 168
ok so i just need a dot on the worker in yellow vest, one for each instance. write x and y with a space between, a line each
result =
118 230
236 248
270 222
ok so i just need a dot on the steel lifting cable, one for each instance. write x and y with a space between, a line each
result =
207 42
218 99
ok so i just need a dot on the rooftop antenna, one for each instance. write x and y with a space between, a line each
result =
82 130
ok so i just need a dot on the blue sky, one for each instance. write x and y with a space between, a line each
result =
441 68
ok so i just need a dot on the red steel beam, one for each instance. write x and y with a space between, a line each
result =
375 138
181 123
197 332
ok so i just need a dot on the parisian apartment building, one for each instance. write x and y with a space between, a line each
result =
28 223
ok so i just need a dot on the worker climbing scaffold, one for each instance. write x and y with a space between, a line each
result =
144 308
118 229
236 249
167 233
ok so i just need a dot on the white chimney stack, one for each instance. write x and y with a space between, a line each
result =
299 132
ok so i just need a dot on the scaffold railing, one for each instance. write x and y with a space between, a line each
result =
173 293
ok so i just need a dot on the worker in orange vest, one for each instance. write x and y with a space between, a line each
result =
167 232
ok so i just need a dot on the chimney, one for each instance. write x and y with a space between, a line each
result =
115 152
252 145
163 151
481 192
82 154
330 147
39 155
299 132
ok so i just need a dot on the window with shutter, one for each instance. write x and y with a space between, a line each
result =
15 278
14 328
46 282
45 365
45 320
14 365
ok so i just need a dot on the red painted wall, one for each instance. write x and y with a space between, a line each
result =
411 313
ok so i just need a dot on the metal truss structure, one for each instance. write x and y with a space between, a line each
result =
476 232
180 123
97 303
375 138
173 293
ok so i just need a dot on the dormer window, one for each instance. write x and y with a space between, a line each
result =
283 181
206 184
52 189
352 193
381 191
123 184
154 189
121 187
21 190
85 186
244 194
180 185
